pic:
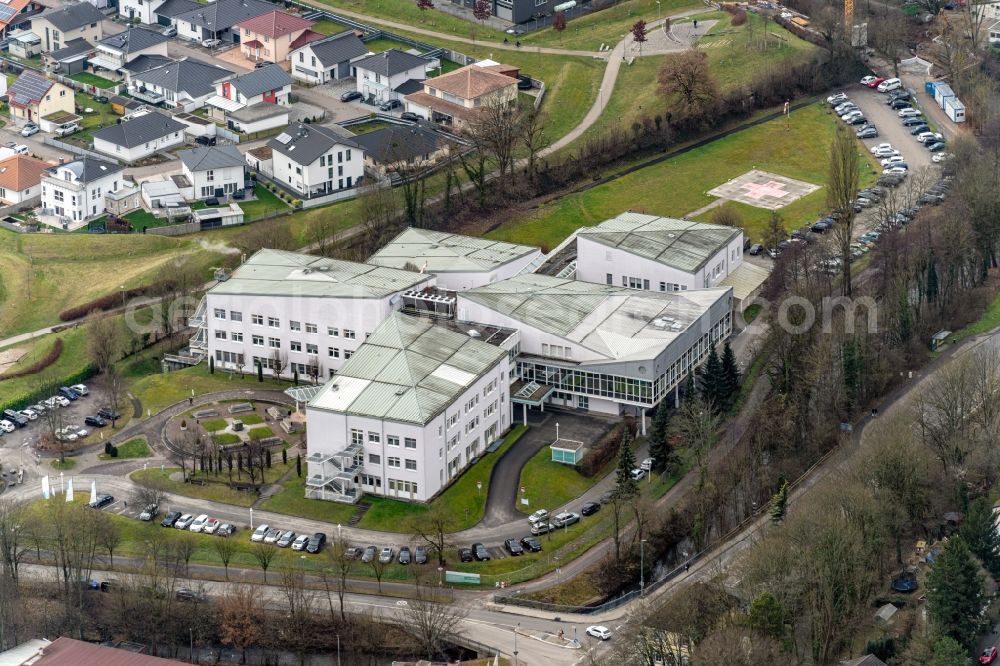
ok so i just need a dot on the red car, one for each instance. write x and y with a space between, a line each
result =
878 80
988 656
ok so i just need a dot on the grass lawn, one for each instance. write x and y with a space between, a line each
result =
384 44
216 490
464 501
141 219
133 448
87 78
989 321
607 26
68 463
227 438
251 419
800 152
262 432
211 425
406 11
157 392
266 203
551 484
328 27
73 359
292 500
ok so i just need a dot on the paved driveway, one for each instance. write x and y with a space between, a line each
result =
890 127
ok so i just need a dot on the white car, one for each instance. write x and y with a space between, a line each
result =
867 80
646 464
889 85
184 521
880 146
61 400
7 426
66 435
887 152
198 524
909 113
638 474
81 389
600 632
895 159
21 149
539 516
29 129
837 98
211 43
300 542
895 170
941 157
77 430
211 525
258 534
925 137
29 414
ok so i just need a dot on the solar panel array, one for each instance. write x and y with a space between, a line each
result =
7 13
29 87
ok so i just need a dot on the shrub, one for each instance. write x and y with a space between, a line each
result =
40 364
604 450
114 452
739 17
104 303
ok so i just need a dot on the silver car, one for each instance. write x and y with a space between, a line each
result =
385 557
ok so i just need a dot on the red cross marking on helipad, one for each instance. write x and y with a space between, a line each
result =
771 188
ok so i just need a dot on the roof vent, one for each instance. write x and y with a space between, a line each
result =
400 391
307 271
473 333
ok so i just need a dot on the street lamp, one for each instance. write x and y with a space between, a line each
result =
657 8
251 517
515 642
642 567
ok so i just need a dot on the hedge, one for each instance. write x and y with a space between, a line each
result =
35 394
604 450
103 303
38 365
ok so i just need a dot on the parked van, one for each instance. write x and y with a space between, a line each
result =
890 84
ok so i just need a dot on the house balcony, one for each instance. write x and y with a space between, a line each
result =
147 95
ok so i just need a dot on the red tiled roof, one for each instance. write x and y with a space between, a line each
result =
305 38
274 24
68 652
253 43
19 172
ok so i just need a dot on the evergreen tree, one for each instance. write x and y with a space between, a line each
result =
932 283
295 377
298 465
260 371
980 533
955 593
625 486
689 390
267 458
659 433
211 365
711 380
948 652
730 376
767 616
852 371
779 503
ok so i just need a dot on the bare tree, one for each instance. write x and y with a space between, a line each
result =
431 622
841 192
109 536
687 77
182 548
495 131
378 568
241 618
532 138
279 362
151 493
264 553
14 522
378 210
225 549
300 602
105 341
114 386
434 526
341 560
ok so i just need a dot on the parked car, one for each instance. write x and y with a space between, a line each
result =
646 464
924 137
286 539
880 146
211 43
899 104
599 632
465 554
385 555
67 129
95 421
369 554
909 112
187 594
894 170
300 542
919 129
989 655
205 140
756 249
404 555
171 518
590 508
537 516
480 553
875 82
29 129
856 120
865 80
350 96
913 122
541 528
171 31
150 512
68 393
55 402
29 414
410 116
895 159
259 533
638 474
108 413
211 526
184 522
19 419
941 157
38 409
226 530
513 547
837 98
935 147
565 519
532 544
390 104
869 132
81 389
272 535
420 555
889 85
316 543
102 501
7 426
21 149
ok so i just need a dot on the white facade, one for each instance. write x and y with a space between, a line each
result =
338 169
15 197
64 194
187 30
124 153
411 461
382 87
205 182
144 10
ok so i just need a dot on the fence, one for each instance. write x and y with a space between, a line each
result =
114 89
226 134
77 150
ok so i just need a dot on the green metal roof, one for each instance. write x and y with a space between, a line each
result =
407 370
614 322
447 253
280 273
682 244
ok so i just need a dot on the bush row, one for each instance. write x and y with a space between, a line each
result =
38 365
108 302
605 450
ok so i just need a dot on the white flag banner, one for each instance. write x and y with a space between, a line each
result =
69 490
93 492
45 486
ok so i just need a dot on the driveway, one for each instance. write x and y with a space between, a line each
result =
890 127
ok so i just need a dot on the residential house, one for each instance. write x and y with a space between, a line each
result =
75 191
519 11
260 159
459 262
253 102
313 310
113 54
327 59
24 44
457 97
414 407
312 160
20 178
70 59
379 75
143 63
139 137
215 20
402 147
15 15
166 13
77 21
271 37
151 12
186 83
32 97
213 172
994 36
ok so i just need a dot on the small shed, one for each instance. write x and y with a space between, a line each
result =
886 613
939 339
566 451
224 216
954 109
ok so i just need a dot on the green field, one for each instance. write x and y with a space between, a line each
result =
133 448
607 26
216 491
384 44
550 484
90 79
266 203
798 152
73 359
328 27
406 11
158 391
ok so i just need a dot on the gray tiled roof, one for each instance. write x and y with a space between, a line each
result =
261 80
172 8
137 131
74 47
408 370
681 244
133 39
88 169
75 16
144 63
399 142
216 157
223 14
391 62
305 143
338 48
192 76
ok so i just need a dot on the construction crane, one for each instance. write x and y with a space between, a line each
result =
848 13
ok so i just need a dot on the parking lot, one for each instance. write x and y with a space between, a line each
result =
890 127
